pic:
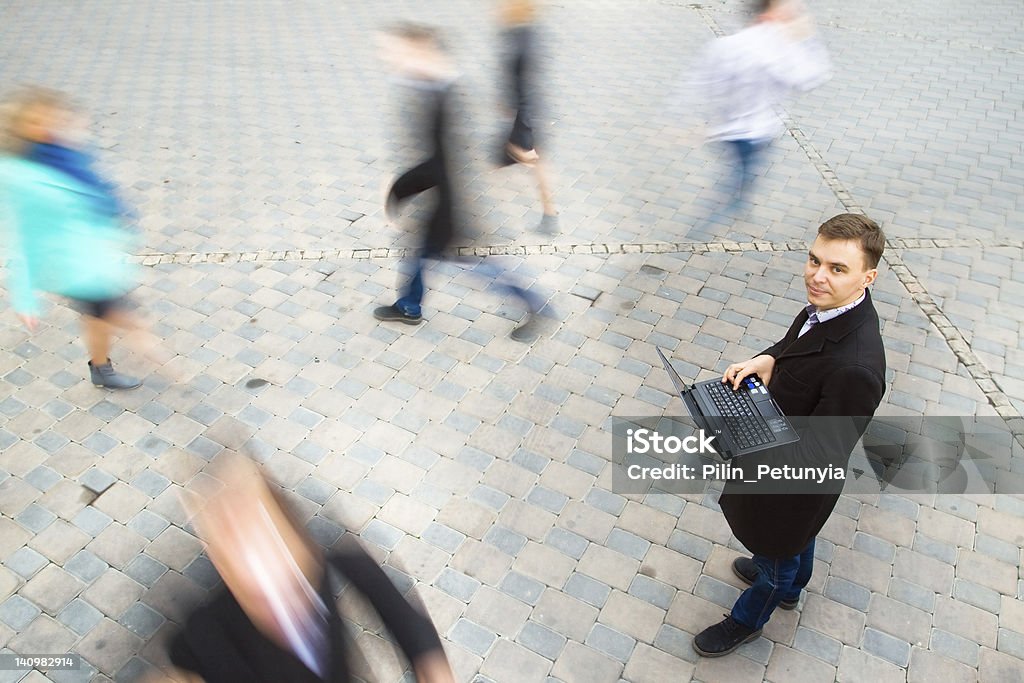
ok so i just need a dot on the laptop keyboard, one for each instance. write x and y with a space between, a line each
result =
745 425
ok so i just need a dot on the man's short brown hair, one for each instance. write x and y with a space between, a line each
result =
854 226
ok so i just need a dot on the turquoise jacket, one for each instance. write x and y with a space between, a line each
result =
57 239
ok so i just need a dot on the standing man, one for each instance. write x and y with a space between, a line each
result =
831 364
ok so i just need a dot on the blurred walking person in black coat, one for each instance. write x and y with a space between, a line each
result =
417 56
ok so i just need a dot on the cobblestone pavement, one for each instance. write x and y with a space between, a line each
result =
254 139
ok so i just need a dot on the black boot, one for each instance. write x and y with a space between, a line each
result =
106 377
723 637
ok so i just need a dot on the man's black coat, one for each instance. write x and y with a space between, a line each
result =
836 369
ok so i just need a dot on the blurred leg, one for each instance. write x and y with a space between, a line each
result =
411 297
96 334
544 185
138 337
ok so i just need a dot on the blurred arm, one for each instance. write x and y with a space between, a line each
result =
414 632
804 62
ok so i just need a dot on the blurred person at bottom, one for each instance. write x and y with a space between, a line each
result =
740 81
518 18
65 230
276 619
416 55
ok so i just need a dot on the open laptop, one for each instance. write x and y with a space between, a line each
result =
743 421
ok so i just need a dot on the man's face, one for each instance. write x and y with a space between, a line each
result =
836 273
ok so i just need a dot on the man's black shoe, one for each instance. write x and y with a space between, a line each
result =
746 570
724 637
394 314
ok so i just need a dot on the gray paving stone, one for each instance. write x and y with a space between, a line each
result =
100 442
676 642
17 612
876 547
505 540
85 566
691 545
154 412
522 587
669 504
91 521
472 636
847 593
818 645
145 570
80 616
141 620
979 596
588 590
97 480
310 452
545 498
715 591
457 585
932 548
323 531
912 594
365 454
999 549
26 562
316 490
605 501
490 497
586 462
153 446
35 518
475 458
954 647
530 461
43 478
887 647
611 642
382 534
136 669
202 572
51 441
652 591
627 544
374 492
443 537
567 542
541 640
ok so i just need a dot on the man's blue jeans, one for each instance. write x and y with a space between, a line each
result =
749 155
777 580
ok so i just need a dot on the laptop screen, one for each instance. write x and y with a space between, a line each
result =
673 375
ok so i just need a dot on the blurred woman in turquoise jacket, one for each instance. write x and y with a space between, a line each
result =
63 225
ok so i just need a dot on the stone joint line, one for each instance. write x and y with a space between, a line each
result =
724 246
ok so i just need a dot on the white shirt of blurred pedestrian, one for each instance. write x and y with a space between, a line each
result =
740 80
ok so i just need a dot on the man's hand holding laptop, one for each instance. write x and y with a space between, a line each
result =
762 366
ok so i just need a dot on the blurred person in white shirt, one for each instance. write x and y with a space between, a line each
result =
741 80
